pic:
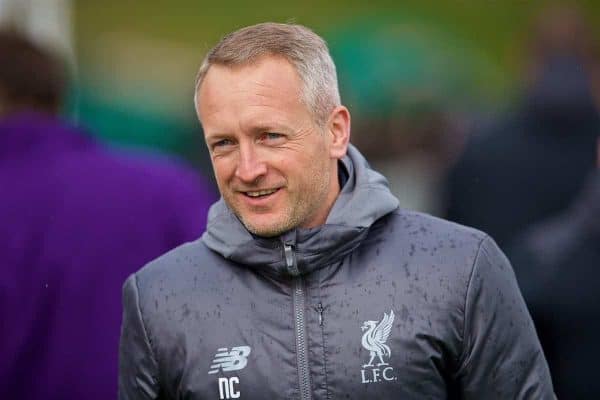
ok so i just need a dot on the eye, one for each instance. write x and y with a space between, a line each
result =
271 137
222 143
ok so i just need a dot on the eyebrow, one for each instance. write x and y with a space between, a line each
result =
259 128
267 128
217 136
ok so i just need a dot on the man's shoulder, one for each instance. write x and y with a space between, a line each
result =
426 245
408 223
180 263
189 267
190 273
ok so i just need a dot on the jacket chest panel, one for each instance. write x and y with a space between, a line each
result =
386 338
378 338
230 344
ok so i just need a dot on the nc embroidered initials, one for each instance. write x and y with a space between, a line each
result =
233 360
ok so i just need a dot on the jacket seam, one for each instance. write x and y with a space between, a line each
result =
463 354
145 330
325 361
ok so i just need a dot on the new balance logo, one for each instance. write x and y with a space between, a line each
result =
233 360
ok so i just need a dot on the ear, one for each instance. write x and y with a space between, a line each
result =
338 128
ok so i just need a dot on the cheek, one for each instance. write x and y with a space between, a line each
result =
280 164
283 163
310 170
224 169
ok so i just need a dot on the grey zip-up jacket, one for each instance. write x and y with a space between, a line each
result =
378 303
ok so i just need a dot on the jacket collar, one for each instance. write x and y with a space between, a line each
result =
364 199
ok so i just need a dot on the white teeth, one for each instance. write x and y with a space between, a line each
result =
261 192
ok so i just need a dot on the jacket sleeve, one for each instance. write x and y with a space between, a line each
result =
501 356
137 363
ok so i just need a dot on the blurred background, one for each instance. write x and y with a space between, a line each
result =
485 113
413 69
416 75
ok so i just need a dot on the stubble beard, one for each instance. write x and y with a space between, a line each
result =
298 211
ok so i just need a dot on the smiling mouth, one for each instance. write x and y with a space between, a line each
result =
260 193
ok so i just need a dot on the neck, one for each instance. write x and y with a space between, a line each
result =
321 215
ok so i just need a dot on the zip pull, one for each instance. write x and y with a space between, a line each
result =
290 259
288 251
320 310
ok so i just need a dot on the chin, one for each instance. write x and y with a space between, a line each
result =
265 230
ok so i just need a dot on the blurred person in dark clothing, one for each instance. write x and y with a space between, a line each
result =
75 220
557 264
531 164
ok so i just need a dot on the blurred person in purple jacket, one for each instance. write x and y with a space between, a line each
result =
75 220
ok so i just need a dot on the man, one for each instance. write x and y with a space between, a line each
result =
309 282
75 220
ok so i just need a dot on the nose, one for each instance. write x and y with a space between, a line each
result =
250 166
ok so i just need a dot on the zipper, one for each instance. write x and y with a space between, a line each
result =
299 300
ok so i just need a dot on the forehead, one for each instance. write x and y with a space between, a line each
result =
263 66
270 83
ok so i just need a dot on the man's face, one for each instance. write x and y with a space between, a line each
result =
273 165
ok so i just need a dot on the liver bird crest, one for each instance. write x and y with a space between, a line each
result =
375 337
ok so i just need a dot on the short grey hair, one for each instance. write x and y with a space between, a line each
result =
300 46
